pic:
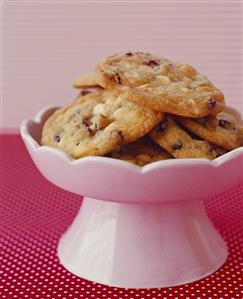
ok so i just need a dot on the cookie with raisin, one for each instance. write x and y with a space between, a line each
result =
171 137
96 124
228 132
160 84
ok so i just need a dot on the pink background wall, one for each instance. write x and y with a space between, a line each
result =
46 45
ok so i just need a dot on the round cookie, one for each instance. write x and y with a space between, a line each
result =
228 133
140 152
160 84
96 124
178 143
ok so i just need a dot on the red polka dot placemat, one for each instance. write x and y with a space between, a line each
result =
34 214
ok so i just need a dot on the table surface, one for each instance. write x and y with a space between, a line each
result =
34 214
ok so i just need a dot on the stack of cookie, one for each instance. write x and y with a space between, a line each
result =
142 108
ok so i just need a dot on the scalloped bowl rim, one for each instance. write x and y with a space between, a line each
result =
149 167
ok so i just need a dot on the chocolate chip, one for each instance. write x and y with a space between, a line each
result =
224 123
161 126
177 146
211 103
84 92
57 138
151 63
129 54
116 78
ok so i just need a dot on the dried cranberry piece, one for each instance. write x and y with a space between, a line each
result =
177 146
161 126
116 78
129 54
151 63
84 92
57 138
211 103
224 123
86 125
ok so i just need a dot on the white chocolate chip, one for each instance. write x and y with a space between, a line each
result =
99 109
164 80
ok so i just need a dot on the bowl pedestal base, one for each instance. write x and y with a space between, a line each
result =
142 245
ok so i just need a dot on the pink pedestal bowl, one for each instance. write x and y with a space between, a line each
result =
138 227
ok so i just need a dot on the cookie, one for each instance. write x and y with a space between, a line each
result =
160 84
86 80
178 143
140 152
97 123
227 133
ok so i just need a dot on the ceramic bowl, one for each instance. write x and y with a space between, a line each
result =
138 227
